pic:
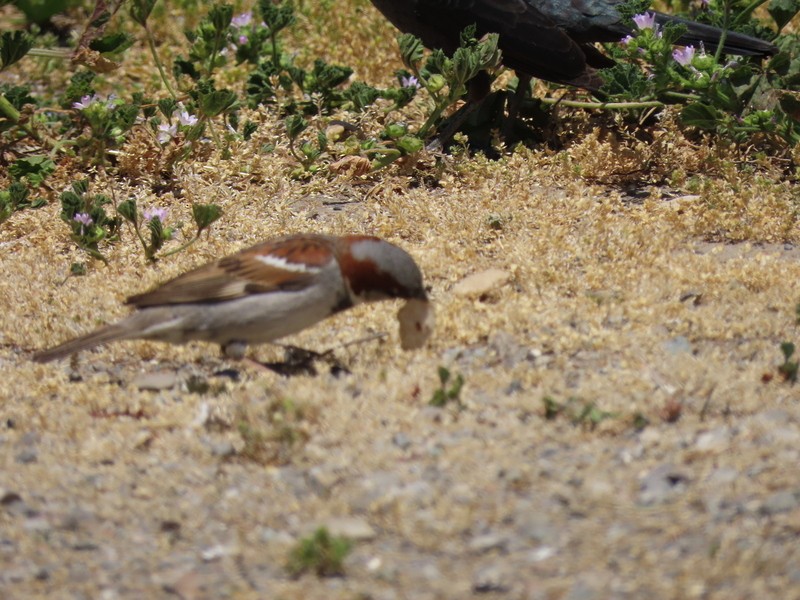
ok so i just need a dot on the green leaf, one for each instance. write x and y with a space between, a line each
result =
220 17
80 85
128 211
141 9
13 199
395 130
156 233
167 106
114 42
323 77
700 115
411 50
783 11
217 102
13 46
205 214
633 7
362 95
625 80
248 129
788 350
81 186
551 408
295 125
40 11
33 168
409 144
71 204
276 16
18 193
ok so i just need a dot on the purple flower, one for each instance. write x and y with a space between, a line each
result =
184 117
410 82
166 132
626 39
684 56
242 20
242 40
151 213
84 219
645 20
86 102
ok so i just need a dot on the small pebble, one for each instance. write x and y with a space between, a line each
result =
401 441
156 380
780 502
482 282
354 528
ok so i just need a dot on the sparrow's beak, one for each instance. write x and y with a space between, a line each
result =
417 321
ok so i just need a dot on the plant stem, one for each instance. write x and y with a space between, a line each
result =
7 109
183 247
726 24
63 53
152 43
603 105
748 10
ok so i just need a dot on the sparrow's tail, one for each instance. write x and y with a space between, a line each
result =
106 334
735 43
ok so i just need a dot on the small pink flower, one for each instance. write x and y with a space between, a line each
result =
151 213
645 20
409 81
683 56
86 102
166 132
184 117
84 219
242 20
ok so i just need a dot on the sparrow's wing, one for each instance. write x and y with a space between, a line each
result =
286 264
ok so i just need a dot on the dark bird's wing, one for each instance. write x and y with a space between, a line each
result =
531 42
548 39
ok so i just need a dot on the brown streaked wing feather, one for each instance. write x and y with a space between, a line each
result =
242 274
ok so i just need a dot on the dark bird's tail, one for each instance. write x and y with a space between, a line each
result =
735 43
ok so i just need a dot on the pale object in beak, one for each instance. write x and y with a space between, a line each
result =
416 323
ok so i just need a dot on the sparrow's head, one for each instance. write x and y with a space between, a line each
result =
377 270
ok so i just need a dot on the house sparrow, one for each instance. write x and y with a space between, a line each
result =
269 291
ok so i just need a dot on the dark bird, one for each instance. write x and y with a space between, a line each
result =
548 39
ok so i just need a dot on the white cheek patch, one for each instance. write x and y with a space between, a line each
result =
281 263
417 320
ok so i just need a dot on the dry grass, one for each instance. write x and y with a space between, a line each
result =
680 294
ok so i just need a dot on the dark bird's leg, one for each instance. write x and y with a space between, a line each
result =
479 87
514 104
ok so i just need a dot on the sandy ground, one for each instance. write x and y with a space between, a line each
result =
663 312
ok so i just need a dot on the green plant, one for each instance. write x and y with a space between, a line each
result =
789 368
87 218
446 78
580 412
320 553
272 437
735 98
445 394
